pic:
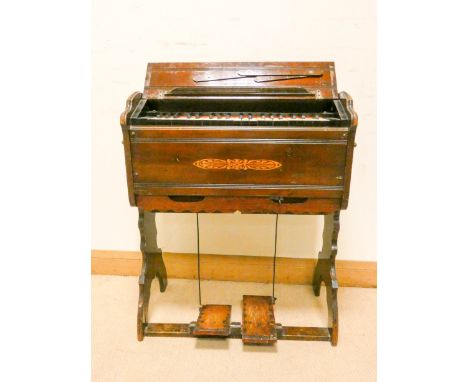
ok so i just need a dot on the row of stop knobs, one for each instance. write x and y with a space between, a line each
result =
229 115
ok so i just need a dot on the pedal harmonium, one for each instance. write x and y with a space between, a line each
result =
271 138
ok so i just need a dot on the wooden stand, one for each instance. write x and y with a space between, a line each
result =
152 266
258 325
325 271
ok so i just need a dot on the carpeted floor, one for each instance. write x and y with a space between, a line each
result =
118 356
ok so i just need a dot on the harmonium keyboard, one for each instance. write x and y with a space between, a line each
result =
271 137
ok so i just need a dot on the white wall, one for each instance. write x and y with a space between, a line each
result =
129 34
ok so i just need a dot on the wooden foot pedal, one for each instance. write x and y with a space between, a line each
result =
213 320
258 320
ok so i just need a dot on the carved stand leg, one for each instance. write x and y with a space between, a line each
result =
152 266
326 272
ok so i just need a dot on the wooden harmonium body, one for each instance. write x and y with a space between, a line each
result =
253 137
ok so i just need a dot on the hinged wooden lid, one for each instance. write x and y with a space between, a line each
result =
270 78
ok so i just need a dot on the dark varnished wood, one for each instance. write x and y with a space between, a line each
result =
226 163
132 102
247 205
348 103
169 162
142 134
326 271
161 77
240 190
152 266
160 159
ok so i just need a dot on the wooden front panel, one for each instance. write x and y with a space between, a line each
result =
140 134
236 166
248 205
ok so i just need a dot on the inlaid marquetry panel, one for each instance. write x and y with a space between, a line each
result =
237 164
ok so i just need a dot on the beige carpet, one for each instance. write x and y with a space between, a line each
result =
118 356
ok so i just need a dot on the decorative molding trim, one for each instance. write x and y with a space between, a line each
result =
248 186
237 164
259 141
236 128
350 273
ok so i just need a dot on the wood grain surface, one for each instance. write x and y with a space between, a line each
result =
213 320
350 273
258 320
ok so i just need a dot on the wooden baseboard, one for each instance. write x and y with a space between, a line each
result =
235 268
